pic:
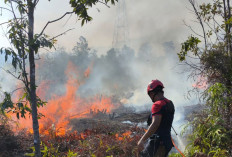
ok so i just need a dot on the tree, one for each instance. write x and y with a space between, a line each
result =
212 48
26 44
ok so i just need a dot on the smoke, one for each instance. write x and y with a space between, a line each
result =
121 74
7 82
155 30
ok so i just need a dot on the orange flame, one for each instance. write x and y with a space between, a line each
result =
201 83
60 109
125 135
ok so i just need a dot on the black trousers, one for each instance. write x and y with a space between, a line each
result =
155 148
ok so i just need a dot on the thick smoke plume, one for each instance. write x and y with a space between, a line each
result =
121 74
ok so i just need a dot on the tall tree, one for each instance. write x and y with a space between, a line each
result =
212 48
26 44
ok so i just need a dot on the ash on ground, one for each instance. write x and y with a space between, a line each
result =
120 119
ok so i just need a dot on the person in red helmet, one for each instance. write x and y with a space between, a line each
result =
156 142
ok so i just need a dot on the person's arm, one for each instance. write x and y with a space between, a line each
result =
153 127
151 130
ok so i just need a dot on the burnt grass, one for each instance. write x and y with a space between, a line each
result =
12 145
101 135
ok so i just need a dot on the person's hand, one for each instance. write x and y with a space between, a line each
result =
140 145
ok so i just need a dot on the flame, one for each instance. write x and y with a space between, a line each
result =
201 83
125 135
60 109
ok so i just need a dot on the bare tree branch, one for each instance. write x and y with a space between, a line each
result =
104 4
61 33
49 22
225 17
215 31
67 20
4 23
192 30
5 9
192 2
7 38
15 90
13 10
8 71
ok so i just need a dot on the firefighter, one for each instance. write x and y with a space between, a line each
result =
156 142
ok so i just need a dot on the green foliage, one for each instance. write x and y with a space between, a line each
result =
50 151
21 108
208 11
174 155
33 152
211 128
218 98
15 59
190 45
80 7
71 154
43 41
208 14
210 135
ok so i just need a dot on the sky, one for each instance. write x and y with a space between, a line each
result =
148 21
154 22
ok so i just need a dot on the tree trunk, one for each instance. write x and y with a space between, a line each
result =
229 26
32 91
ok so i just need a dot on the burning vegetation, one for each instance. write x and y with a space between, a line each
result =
106 138
72 124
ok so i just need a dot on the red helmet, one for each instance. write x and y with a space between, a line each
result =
153 84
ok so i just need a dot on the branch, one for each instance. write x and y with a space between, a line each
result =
62 33
199 18
8 71
193 57
218 36
16 90
67 20
16 1
7 38
26 82
6 9
225 18
104 4
216 21
210 29
36 2
4 23
192 30
13 10
9 21
49 22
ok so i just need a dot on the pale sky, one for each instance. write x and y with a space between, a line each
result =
148 21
